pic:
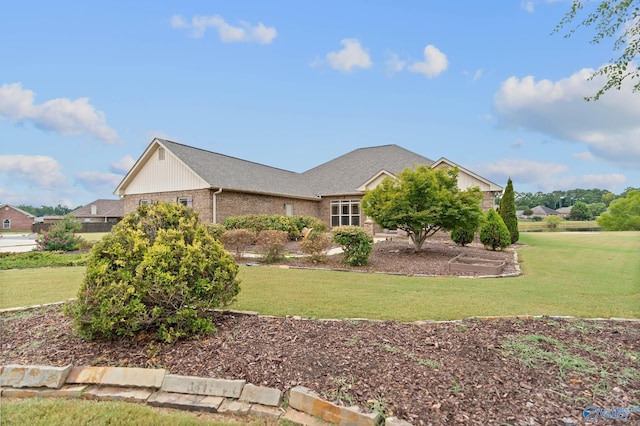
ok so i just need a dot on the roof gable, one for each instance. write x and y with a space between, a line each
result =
349 172
467 178
2 206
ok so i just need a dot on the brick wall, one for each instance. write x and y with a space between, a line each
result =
239 203
228 203
19 221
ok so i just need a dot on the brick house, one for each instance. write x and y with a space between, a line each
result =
15 219
218 186
99 211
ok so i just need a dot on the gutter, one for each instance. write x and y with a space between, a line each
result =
214 203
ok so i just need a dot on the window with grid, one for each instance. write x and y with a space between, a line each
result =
345 212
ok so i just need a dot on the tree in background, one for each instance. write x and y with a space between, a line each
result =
508 212
422 201
624 214
46 210
579 211
596 209
611 18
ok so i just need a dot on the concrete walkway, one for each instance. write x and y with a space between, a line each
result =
17 243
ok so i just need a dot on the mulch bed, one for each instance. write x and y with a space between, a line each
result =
505 371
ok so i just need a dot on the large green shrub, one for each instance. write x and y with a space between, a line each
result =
356 244
61 236
494 234
552 221
158 270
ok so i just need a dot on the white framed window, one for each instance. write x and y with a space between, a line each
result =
6 224
144 202
345 212
160 154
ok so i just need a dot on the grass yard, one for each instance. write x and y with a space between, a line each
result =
565 225
578 274
52 411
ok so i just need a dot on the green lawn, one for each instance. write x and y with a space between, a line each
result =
565 225
579 274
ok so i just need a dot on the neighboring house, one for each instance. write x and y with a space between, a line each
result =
564 211
104 211
540 211
15 219
218 186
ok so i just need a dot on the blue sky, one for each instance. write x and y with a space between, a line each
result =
85 86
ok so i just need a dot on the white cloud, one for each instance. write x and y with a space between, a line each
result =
228 33
123 165
546 176
586 156
528 6
61 115
609 127
98 182
435 63
352 56
394 63
39 171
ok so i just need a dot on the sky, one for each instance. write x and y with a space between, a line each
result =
86 86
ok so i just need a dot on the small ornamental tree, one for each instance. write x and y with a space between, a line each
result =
552 221
158 270
356 244
422 201
272 244
494 234
508 212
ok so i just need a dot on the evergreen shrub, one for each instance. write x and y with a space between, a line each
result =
356 244
159 270
494 234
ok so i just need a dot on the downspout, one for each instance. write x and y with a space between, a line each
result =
215 206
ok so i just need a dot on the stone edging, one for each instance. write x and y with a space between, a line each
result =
157 388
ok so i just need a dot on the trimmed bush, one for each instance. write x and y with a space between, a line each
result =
272 245
159 270
463 235
494 234
356 244
215 230
316 245
237 240
292 225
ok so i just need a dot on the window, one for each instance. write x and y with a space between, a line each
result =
345 212
185 201
288 209
144 202
6 224
160 154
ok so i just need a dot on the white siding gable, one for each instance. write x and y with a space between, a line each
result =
465 180
166 175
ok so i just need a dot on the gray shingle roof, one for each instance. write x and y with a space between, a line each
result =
104 208
342 175
345 174
232 173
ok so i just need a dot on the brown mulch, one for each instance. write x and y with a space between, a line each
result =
505 371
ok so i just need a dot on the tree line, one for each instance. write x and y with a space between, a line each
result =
58 210
557 199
